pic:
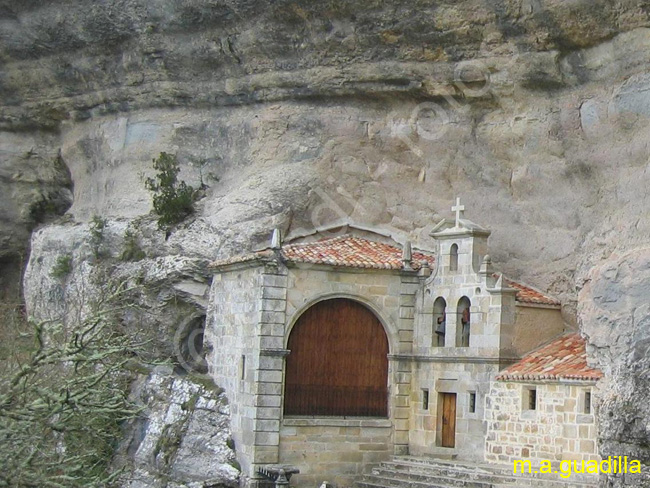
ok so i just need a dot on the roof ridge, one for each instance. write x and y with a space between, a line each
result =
311 243
545 296
351 250
564 336
527 285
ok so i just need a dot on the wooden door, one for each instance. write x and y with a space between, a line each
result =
338 364
448 420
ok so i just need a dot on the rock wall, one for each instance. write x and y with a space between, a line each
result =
35 186
615 316
182 439
296 114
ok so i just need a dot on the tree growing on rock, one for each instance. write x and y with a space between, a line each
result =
173 200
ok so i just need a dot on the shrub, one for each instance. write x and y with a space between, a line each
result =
173 201
132 250
97 226
62 267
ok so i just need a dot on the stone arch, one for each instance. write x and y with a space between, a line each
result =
463 322
453 257
439 322
338 364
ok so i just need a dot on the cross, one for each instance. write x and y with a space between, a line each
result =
458 208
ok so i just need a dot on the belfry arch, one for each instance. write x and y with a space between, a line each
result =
338 364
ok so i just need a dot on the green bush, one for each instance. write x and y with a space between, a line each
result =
132 250
62 267
97 226
173 201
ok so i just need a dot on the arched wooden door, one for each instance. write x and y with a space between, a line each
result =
338 364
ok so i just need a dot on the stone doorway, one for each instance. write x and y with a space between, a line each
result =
447 416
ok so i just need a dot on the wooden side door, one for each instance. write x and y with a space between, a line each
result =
448 420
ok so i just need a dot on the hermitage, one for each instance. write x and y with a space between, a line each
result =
342 352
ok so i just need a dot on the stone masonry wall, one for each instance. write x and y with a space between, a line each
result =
452 368
246 334
231 335
556 430
268 371
250 316
462 379
489 309
335 449
528 334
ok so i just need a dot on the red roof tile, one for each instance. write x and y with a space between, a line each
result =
346 251
357 252
353 252
563 359
527 294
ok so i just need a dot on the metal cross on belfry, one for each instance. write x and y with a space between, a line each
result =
458 208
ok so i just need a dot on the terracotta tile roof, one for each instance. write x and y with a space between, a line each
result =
346 251
526 294
357 252
353 252
563 359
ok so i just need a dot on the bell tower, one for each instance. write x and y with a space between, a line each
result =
463 244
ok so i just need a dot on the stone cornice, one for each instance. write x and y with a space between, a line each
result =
275 352
451 359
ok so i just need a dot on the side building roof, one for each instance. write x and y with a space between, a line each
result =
530 295
563 359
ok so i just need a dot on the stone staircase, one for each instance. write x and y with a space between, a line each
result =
416 472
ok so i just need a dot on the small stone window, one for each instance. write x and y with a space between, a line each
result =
587 402
243 367
453 258
472 402
425 399
530 398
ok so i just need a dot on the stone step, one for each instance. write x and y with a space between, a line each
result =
415 472
445 467
468 480
425 477
382 482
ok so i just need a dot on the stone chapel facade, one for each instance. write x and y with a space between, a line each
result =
338 353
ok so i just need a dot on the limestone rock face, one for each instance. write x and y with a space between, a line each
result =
170 290
35 186
297 114
300 114
615 315
183 439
